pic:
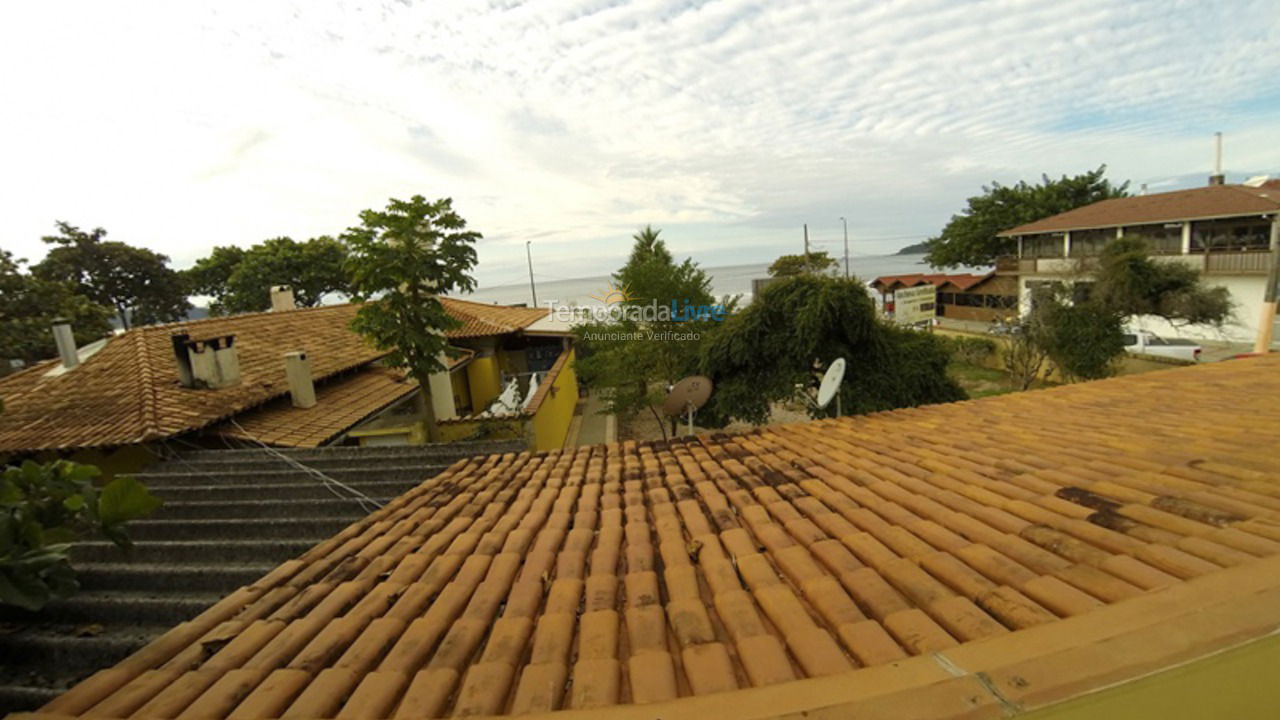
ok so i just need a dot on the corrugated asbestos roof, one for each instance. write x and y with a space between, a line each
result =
1204 202
128 392
1056 540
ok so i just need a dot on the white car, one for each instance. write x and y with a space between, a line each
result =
1143 342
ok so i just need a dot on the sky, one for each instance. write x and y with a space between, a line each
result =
178 126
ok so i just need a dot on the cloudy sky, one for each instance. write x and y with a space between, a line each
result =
178 126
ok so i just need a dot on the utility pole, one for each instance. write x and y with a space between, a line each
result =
846 247
806 247
1266 324
529 254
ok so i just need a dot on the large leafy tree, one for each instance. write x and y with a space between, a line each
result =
813 262
401 259
796 329
240 280
633 360
970 237
28 307
1129 282
135 282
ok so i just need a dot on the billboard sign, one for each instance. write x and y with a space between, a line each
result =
915 304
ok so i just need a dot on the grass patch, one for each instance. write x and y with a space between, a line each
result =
979 381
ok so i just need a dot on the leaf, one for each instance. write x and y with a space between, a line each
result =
75 503
22 589
125 499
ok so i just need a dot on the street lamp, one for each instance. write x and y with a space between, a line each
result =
846 247
529 254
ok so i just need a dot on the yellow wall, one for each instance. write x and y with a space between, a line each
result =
555 414
461 390
1239 684
486 382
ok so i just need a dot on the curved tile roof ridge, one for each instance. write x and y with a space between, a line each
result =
1056 541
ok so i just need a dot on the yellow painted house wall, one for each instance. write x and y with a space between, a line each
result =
1239 684
484 376
555 414
461 389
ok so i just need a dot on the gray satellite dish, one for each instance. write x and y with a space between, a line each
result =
687 396
830 388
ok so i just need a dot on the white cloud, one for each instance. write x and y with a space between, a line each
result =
729 123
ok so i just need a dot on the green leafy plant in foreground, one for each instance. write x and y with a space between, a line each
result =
44 508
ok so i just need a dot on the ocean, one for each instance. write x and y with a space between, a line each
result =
728 280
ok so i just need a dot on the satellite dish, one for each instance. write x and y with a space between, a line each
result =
687 396
830 388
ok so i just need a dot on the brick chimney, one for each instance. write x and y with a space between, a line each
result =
297 370
66 342
282 298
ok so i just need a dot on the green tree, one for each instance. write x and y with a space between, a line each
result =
796 329
1129 282
28 307
815 262
1084 340
970 237
632 358
241 280
137 283
401 259
43 510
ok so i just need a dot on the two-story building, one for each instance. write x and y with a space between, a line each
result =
1226 232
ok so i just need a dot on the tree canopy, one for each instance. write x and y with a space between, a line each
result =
240 280
401 259
633 361
794 331
970 237
1128 281
815 262
28 307
137 283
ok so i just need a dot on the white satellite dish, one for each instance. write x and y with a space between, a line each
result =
830 388
687 397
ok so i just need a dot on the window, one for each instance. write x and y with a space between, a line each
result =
1163 239
946 298
1088 243
1045 245
1229 235
1130 340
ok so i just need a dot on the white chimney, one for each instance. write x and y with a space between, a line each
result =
297 370
282 298
214 362
1217 178
66 343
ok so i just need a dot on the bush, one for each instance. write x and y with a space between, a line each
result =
1083 341
971 350
45 508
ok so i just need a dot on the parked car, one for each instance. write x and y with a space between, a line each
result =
1143 342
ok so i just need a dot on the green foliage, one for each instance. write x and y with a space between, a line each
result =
970 237
137 283
1024 354
240 280
400 259
28 307
634 362
796 329
1130 282
45 508
815 262
970 350
1084 340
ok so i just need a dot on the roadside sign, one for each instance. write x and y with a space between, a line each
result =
915 304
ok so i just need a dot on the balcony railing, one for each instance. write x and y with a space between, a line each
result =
1221 263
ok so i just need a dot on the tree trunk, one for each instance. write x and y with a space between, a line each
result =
428 413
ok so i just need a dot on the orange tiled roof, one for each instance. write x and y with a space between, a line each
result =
963 281
128 392
1197 203
1056 541
341 404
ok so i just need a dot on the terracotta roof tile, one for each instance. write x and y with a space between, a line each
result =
1212 201
128 392
979 534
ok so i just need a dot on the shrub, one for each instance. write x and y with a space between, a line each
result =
971 350
46 507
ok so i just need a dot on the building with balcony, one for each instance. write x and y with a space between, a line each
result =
1226 232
